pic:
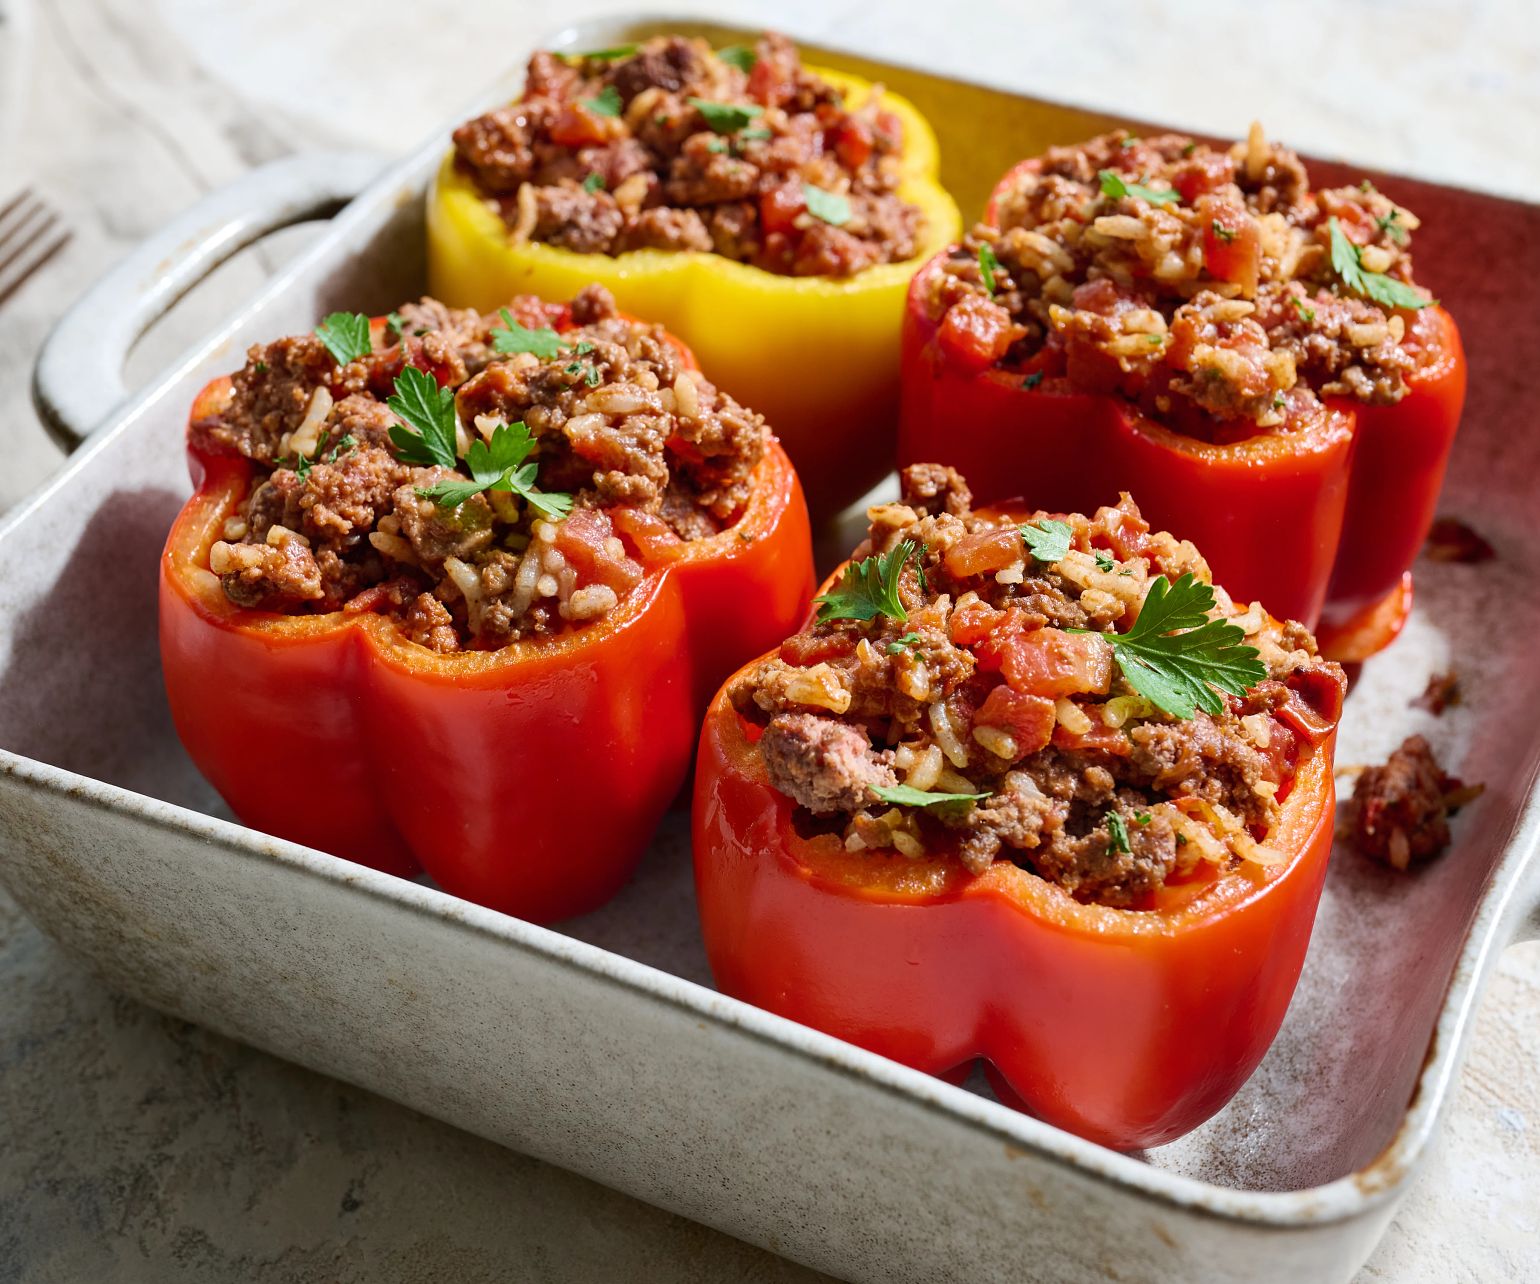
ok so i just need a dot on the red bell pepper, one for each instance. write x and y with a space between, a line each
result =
1267 511
1331 516
529 778
1128 1027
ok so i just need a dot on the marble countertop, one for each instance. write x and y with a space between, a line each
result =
135 1147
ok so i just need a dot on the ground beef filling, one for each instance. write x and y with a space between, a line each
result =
614 152
1219 310
650 453
981 690
1402 808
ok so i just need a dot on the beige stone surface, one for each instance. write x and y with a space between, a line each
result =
133 1147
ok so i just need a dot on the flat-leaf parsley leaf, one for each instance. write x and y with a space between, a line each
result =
1048 540
1347 263
346 336
905 796
605 103
831 207
1175 656
1117 187
511 337
725 118
739 56
431 411
869 588
501 465
988 266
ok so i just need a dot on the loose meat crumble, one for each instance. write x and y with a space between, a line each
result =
1195 281
632 452
1402 808
669 146
983 689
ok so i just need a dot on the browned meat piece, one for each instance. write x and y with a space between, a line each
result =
343 500
592 304
267 576
271 394
496 149
935 488
588 222
1199 759
1094 867
428 623
667 229
670 63
1402 808
435 532
1442 691
826 766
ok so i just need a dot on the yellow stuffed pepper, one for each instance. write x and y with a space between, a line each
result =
769 213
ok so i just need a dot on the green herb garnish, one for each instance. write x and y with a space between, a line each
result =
512 337
605 103
346 336
1048 540
1033 379
1391 225
1221 231
1117 187
423 405
1306 312
988 266
1104 560
831 207
1347 262
394 324
1175 656
725 118
716 145
904 796
501 465
739 56
869 588
604 55
593 183
906 643
755 135
1117 834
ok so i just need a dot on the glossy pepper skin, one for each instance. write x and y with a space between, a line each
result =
1126 1027
1330 517
528 779
817 356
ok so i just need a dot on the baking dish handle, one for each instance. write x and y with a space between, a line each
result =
78 379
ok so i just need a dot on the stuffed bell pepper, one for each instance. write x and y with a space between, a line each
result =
1250 356
453 589
768 213
1029 788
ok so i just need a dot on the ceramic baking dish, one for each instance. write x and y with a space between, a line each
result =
600 1045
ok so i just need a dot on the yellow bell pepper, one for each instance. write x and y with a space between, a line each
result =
817 356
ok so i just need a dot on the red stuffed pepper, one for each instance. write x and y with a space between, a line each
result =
1197 325
453 590
1028 789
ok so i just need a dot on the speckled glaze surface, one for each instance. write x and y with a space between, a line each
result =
600 1046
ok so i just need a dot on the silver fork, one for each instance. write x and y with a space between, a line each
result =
31 233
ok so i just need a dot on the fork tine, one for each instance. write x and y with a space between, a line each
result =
20 240
14 280
23 195
23 216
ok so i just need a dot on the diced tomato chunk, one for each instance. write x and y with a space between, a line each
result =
1232 243
651 538
984 551
1099 736
973 623
853 142
576 126
1051 662
779 207
977 332
1029 719
803 649
583 539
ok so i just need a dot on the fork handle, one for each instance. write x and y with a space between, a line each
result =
78 380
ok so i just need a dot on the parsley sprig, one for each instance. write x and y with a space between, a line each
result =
726 118
346 336
511 337
1117 834
988 266
606 102
422 405
1347 263
831 207
904 796
1175 656
869 588
1048 540
1117 187
739 56
906 643
502 464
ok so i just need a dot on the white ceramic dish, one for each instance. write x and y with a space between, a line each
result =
600 1045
